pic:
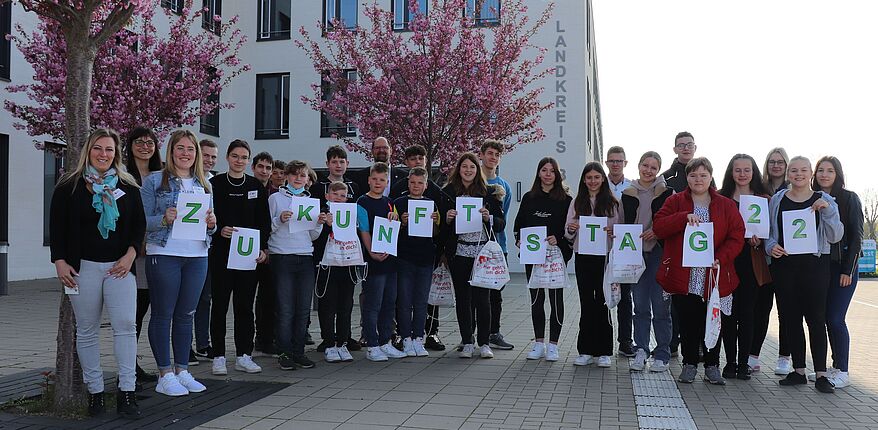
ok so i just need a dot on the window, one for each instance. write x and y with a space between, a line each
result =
209 123
402 13
274 19
330 126
343 10
273 106
175 6
214 10
4 188
53 165
5 45
483 12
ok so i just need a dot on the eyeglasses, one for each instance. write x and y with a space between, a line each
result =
144 142
689 145
776 162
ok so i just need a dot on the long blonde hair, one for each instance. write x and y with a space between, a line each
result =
171 168
121 173
766 178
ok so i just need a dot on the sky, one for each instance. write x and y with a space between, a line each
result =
742 76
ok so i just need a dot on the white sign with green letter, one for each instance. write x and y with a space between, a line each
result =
754 211
627 244
344 221
420 218
698 245
592 238
385 235
533 245
468 219
190 223
305 212
799 231
244 249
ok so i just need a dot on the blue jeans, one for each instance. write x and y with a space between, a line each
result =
202 316
838 300
651 306
413 287
294 285
175 285
379 290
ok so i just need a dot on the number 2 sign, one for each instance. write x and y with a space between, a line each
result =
800 232
754 211
190 223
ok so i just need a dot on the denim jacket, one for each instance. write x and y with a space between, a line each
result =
156 201
829 231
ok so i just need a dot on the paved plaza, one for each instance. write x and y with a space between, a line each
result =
507 392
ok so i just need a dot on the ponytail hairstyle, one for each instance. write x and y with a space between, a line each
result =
605 202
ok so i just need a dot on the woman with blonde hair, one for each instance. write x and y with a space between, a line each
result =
94 263
176 268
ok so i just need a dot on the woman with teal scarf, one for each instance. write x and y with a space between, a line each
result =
97 225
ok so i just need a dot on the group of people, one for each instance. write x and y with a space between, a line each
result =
185 284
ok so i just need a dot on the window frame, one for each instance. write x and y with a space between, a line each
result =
215 8
4 188
175 6
341 130
337 9
406 11
473 10
281 133
261 34
210 123
48 189
5 45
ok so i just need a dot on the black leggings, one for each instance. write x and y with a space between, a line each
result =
737 328
802 283
538 311
266 308
142 306
335 289
692 312
595 327
469 298
225 283
761 318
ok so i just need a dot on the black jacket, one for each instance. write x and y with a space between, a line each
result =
847 251
447 236
541 210
675 177
361 178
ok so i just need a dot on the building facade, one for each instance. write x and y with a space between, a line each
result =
269 114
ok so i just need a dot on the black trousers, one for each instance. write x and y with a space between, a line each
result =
538 310
238 286
497 304
761 317
142 307
624 315
335 292
432 325
595 327
469 298
266 308
802 283
737 328
691 314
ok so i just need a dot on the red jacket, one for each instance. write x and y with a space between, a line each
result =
728 238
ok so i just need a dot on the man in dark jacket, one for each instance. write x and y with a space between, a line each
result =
381 151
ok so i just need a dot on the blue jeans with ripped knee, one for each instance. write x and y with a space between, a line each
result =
175 285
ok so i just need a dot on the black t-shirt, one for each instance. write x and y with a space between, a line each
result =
788 205
94 247
241 202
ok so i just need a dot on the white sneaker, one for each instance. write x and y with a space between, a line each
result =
784 366
658 366
420 351
375 354
331 355
552 352
830 373
344 354
169 385
408 347
391 352
245 363
219 366
604 361
538 351
583 360
467 351
753 362
188 381
485 351
840 379
638 363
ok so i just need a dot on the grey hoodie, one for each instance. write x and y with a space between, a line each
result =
829 231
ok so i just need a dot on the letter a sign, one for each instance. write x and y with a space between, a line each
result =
244 249
305 212
698 245
385 235
627 244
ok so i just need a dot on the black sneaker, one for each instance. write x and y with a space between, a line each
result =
325 344
363 342
302 361
204 352
823 385
794 378
730 371
432 343
266 350
496 341
95 404
626 350
193 359
142 376
353 345
743 372
286 362
308 339
126 404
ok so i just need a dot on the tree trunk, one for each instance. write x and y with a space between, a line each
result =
68 389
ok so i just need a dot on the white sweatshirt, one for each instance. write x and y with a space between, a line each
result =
281 240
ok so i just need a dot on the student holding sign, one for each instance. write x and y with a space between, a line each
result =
176 268
415 263
640 202
466 180
594 199
742 179
546 205
96 230
697 204
241 201
293 266
802 279
843 273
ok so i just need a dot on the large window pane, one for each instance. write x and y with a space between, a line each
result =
329 125
342 10
4 188
272 106
53 163
483 12
402 15
274 19
5 45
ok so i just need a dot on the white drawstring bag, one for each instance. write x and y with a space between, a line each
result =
347 253
713 320
489 268
552 273
612 290
441 288
626 273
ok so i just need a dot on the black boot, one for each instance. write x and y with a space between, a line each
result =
126 404
95 404
743 372
142 376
